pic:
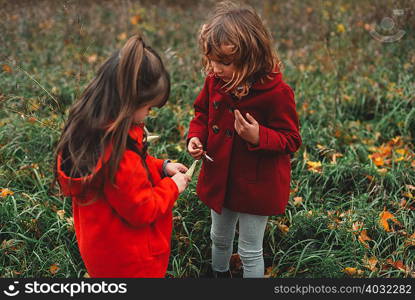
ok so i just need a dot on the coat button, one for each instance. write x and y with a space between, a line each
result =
231 109
228 132
215 128
216 104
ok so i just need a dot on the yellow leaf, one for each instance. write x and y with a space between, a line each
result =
402 151
408 195
314 166
341 28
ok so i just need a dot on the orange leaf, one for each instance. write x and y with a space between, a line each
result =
298 201
92 58
370 263
122 36
135 19
5 192
410 241
283 228
397 264
363 237
54 269
235 263
352 271
384 217
7 68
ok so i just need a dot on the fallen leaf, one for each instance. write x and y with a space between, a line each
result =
385 216
5 192
297 201
397 264
122 36
54 269
7 68
410 241
235 264
370 263
283 228
135 19
270 272
363 237
356 226
61 213
92 58
352 271
314 166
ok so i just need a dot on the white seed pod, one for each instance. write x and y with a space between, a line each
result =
192 169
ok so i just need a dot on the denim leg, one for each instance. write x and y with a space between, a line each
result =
251 235
222 234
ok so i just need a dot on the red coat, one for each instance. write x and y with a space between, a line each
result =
244 178
127 233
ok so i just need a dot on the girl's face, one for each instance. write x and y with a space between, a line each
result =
222 68
141 113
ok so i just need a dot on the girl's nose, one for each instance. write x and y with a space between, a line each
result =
216 69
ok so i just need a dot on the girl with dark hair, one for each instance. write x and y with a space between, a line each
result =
122 198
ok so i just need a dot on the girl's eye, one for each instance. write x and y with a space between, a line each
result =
226 64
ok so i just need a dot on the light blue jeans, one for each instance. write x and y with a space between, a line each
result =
251 235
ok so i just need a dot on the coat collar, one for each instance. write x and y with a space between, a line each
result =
136 132
263 84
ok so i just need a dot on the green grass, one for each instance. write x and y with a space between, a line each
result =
353 93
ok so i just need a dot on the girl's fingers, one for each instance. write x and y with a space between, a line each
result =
240 118
251 119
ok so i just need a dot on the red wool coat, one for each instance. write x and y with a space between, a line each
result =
244 178
127 232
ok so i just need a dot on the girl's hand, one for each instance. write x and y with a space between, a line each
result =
181 180
248 130
174 168
195 148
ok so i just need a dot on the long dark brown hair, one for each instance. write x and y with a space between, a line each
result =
253 55
129 79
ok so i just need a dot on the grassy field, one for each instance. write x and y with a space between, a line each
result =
351 210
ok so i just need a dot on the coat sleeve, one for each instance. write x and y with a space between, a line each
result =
134 198
199 124
281 133
157 162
